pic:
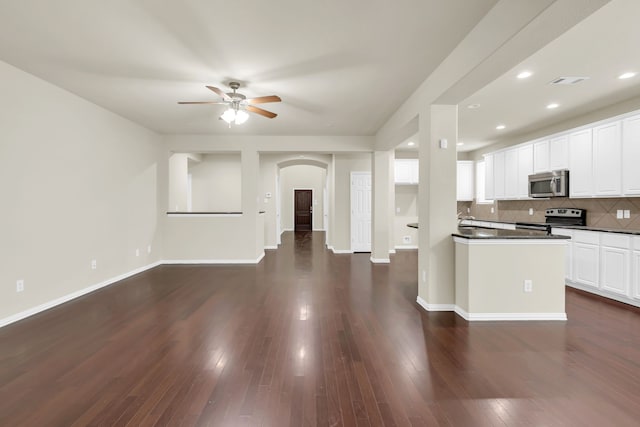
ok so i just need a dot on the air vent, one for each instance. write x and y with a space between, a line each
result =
567 80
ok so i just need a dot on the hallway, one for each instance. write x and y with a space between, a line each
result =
307 337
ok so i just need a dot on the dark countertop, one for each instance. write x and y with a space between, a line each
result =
467 232
573 227
413 225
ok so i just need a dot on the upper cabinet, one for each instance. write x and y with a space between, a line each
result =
559 153
541 156
525 168
511 174
406 171
607 160
465 182
631 156
499 175
581 164
489 193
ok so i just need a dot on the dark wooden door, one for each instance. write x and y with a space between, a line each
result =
303 210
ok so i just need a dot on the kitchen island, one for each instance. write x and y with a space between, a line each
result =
509 274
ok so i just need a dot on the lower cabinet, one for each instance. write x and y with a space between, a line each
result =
607 264
615 263
586 258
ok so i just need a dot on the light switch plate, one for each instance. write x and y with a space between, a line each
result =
627 213
530 211
267 195
619 214
443 143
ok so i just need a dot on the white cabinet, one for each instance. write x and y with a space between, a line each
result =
586 258
489 187
568 254
541 156
499 175
635 268
525 168
607 160
511 174
615 263
559 153
580 164
630 156
406 171
465 181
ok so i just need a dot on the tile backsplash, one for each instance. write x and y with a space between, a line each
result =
601 212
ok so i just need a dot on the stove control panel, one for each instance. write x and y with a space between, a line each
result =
565 212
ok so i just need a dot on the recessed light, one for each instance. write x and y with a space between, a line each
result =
459 144
552 106
524 74
626 75
500 127
473 106
411 143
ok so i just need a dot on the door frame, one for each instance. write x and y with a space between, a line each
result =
351 228
293 200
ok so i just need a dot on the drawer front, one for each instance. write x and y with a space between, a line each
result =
615 240
590 237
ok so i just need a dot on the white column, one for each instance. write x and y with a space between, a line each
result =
437 207
380 232
251 198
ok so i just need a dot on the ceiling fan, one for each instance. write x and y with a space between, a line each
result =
238 104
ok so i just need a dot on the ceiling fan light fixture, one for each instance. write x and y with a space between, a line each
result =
241 117
229 115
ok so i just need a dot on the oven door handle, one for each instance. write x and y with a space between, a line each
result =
552 185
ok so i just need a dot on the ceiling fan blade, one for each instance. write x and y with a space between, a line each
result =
264 99
219 92
260 111
201 102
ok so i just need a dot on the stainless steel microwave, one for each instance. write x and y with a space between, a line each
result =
549 184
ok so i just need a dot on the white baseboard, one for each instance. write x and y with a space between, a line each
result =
213 261
392 251
405 247
271 247
603 293
341 251
434 307
318 229
286 229
66 298
491 317
380 260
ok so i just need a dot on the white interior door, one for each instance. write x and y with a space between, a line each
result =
361 211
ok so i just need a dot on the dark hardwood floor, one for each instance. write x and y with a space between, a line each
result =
310 338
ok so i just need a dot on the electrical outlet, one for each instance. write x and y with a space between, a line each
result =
627 214
406 239
149 249
397 210
530 211
468 210
493 210
424 276
619 214
20 285
528 286
137 252
94 264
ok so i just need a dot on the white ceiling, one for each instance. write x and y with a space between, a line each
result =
601 47
341 67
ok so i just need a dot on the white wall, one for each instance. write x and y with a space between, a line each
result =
78 183
407 203
217 183
302 177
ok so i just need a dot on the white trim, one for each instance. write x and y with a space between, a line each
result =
341 251
405 247
380 260
434 307
490 317
603 293
516 241
318 229
392 251
287 229
271 247
203 215
66 298
213 261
